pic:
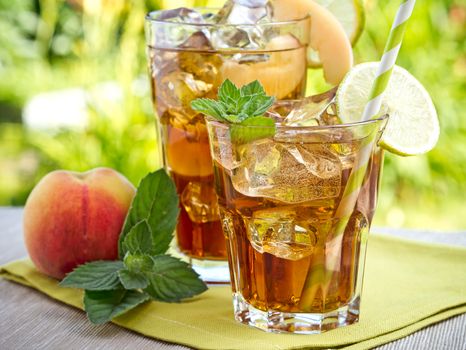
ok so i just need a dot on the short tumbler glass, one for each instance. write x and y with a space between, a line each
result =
188 59
296 209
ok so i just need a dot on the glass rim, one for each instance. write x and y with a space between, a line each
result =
150 19
311 128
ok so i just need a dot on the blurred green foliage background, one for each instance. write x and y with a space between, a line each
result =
51 45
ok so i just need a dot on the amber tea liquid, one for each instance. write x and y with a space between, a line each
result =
280 200
180 75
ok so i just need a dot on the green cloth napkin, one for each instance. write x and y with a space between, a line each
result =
408 285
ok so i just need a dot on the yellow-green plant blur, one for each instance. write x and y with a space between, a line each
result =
74 94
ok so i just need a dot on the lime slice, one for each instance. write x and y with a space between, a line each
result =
350 14
412 126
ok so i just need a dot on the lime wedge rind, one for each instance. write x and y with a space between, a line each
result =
351 15
361 21
412 127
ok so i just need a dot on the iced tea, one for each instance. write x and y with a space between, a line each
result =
194 66
280 201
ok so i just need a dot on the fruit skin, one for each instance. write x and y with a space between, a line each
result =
71 218
327 36
359 12
280 75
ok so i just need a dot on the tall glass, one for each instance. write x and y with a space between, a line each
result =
190 60
296 239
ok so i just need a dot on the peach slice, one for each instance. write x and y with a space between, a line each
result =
281 75
327 36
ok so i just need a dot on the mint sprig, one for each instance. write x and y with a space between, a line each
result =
171 280
132 280
138 239
242 108
156 202
96 275
263 127
102 306
145 271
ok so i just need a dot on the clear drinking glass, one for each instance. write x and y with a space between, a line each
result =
188 59
295 221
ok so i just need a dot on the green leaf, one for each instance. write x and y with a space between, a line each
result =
139 239
251 129
102 306
253 88
210 107
228 92
138 262
132 280
243 104
260 121
236 105
232 118
242 116
172 280
260 105
157 202
241 107
97 275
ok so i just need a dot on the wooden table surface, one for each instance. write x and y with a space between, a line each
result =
31 320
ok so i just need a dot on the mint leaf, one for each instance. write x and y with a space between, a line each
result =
232 117
113 287
245 106
157 202
132 280
97 275
172 280
102 306
253 88
259 105
138 262
263 127
139 238
228 92
210 107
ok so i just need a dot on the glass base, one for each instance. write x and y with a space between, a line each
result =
210 271
298 323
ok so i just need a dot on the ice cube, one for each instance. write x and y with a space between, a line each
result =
200 202
198 40
279 232
182 15
235 37
280 109
187 120
162 63
237 12
178 89
329 115
222 150
307 111
168 35
203 65
245 12
288 172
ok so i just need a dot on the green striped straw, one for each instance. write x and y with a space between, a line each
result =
320 274
388 59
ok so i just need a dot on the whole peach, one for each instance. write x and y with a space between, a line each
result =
71 218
